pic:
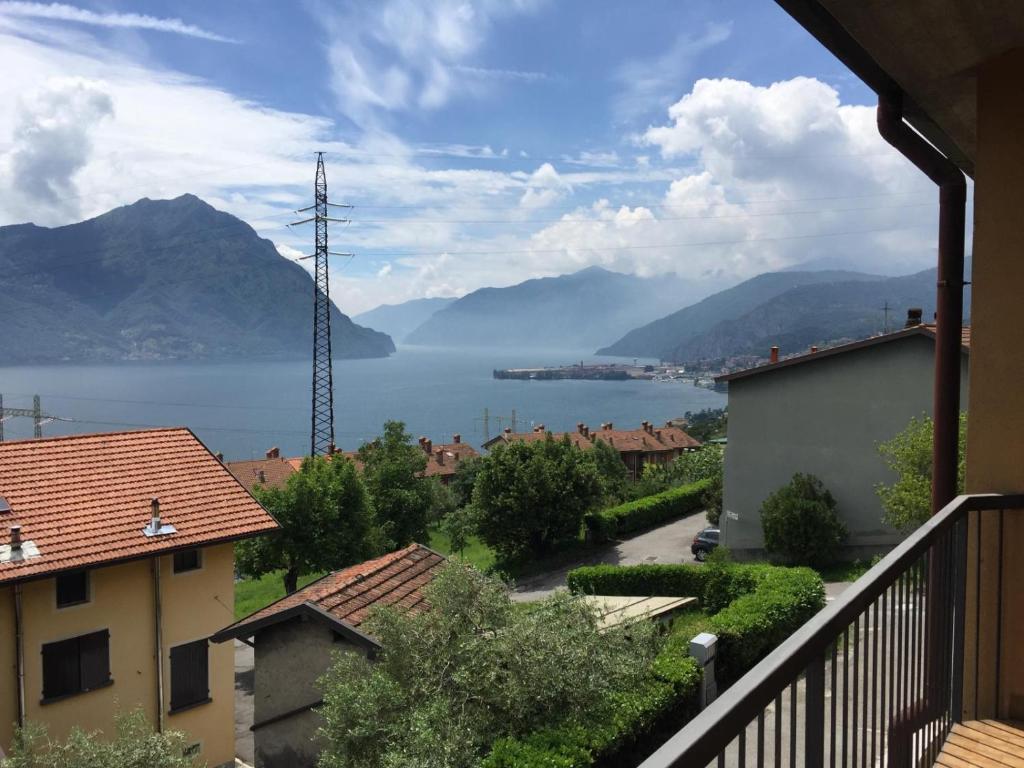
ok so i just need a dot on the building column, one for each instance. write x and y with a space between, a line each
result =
995 447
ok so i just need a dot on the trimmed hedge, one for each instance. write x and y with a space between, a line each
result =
667 700
607 524
664 580
751 626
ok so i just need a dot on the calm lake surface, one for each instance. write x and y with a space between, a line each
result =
241 409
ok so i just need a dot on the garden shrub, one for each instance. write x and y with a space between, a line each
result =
646 512
724 581
801 524
666 580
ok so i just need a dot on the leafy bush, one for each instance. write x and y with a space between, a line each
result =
666 699
801 524
450 681
609 523
724 580
751 626
136 745
666 580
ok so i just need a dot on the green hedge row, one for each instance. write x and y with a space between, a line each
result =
668 699
607 524
664 580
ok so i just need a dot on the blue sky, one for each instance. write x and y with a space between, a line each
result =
482 142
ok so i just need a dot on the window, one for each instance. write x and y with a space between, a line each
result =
190 684
187 560
72 588
76 665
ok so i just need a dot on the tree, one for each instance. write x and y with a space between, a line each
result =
458 525
392 471
530 497
135 745
611 471
706 424
449 682
907 503
326 523
464 479
801 524
707 463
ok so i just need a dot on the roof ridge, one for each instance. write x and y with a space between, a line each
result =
85 435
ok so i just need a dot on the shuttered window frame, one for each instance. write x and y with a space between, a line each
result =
76 665
190 675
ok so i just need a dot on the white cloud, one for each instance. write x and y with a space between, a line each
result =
648 85
543 188
404 54
384 271
70 13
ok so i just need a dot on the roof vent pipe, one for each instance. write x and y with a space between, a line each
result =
775 354
156 526
15 538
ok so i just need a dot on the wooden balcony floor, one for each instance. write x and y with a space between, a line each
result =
984 744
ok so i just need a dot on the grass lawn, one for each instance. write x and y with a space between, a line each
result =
476 552
845 571
253 594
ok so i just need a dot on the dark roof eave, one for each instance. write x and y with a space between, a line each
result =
245 628
827 30
918 330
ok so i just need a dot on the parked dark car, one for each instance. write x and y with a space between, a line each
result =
703 543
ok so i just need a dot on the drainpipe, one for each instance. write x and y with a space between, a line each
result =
158 621
946 405
950 290
19 641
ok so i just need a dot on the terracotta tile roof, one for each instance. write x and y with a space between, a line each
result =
83 500
347 596
916 330
270 472
648 439
443 459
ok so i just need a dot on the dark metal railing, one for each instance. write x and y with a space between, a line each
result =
876 678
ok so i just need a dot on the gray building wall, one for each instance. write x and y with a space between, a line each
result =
289 659
824 417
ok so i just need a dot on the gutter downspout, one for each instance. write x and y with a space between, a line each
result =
158 621
19 641
946 407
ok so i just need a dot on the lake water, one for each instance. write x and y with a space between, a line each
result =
241 409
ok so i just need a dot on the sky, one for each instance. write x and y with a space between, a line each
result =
480 142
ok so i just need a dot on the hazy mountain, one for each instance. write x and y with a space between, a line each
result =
575 311
159 279
398 320
816 314
662 337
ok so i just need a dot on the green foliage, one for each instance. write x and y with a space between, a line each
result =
609 523
611 470
442 499
752 625
391 471
136 745
326 523
907 502
724 581
459 525
693 466
251 594
706 424
450 681
801 524
464 479
531 497
668 580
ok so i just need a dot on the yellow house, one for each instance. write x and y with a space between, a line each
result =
116 566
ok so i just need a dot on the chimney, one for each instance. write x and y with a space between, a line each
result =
657 434
813 350
154 515
508 430
586 431
219 457
580 427
15 538
775 354
456 438
428 445
440 456
913 317
422 440
331 449
610 425
274 453
262 476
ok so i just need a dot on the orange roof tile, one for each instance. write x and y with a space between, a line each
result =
83 500
275 472
655 440
346 597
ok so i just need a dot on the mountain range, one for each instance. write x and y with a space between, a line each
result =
157 280
793 310
576 311
399 320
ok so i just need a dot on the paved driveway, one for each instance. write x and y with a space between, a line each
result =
244 674
668 544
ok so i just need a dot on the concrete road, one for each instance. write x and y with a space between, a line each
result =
244 678
668 544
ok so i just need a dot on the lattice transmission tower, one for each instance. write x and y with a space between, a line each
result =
322 427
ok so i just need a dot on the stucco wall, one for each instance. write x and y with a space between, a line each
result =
289 659
825 417
195 605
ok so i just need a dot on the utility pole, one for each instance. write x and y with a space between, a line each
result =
322 423
37 418
35 412
885 309
514 430
487 425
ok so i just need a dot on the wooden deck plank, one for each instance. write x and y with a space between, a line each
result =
1012 738
1010 726
946 760
971 756
981 748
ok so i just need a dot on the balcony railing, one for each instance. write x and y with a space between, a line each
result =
876 678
